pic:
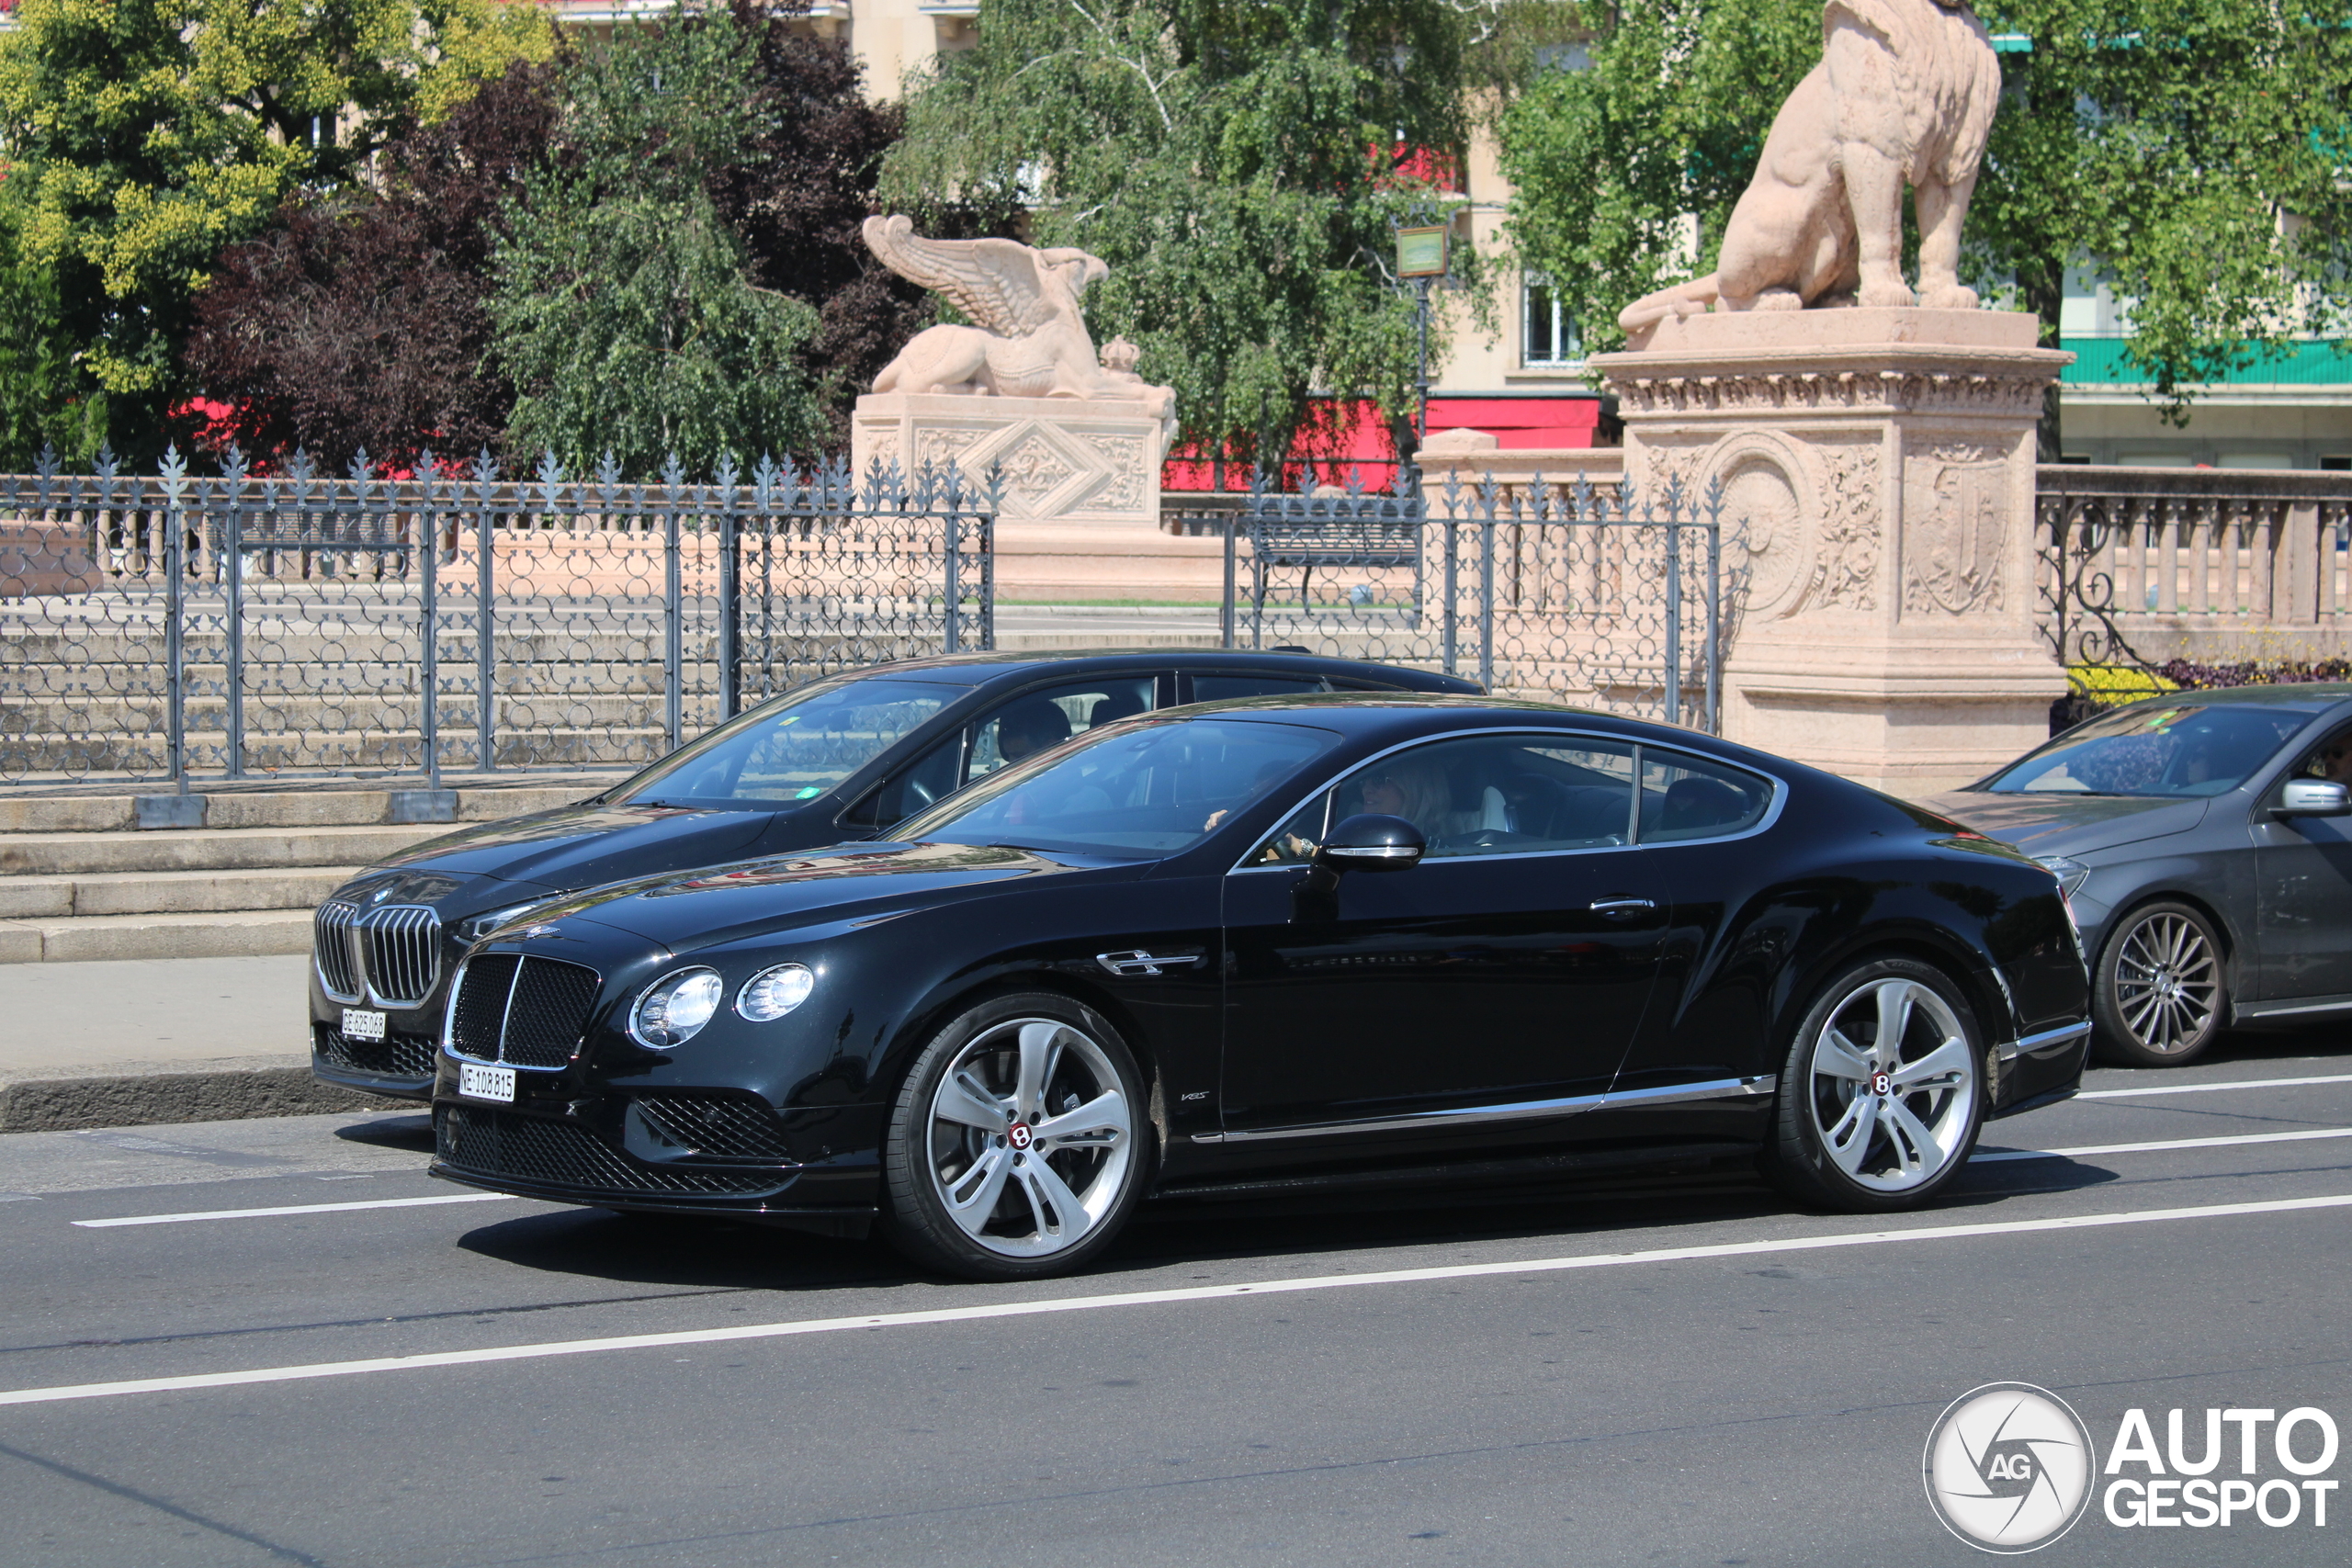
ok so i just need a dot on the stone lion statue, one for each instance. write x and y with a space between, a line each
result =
1031 340
1905 92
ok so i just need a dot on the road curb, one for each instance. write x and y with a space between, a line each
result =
135 1100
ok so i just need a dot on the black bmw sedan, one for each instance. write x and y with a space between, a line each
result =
1263 946
838 759
2205 839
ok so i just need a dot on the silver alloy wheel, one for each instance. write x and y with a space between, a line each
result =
2167 982
1893 1085
1030 1137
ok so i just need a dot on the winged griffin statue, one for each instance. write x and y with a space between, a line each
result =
1031 340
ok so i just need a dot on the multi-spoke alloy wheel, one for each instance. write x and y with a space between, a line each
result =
1882 1096
2162 993
1015 1148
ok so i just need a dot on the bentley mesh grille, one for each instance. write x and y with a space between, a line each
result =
394 951
561 1153
723 1129
524 1011
395 1055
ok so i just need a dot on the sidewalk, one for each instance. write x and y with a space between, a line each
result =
118 1042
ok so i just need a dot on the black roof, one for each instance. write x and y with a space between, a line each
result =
2310 695
981 669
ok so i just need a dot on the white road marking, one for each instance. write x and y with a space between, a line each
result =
1150 1298
293 1209
2209 1087
1982 1155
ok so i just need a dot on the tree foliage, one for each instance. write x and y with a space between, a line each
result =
1237 162
361 321
153 132
2193 149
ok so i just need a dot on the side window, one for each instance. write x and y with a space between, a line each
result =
1216 688
1689 797
935 775
1034 720
2330 759
1480 795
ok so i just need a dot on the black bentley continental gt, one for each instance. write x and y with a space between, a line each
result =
844 758
1263 946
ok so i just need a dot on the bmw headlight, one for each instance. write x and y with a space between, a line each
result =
480 926
770 994
673 1009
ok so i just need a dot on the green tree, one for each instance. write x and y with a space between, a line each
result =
625 309
1237 162
153 132
39 406
2193 149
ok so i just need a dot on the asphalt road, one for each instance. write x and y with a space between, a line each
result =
1756 1388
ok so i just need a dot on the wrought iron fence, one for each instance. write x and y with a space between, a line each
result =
157 627
1554 589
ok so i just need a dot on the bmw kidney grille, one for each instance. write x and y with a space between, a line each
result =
390 954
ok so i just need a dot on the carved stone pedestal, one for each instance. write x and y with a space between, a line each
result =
1879 465
1064 459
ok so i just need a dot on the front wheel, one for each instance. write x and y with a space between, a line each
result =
1017 1146
1882 1092
2160 994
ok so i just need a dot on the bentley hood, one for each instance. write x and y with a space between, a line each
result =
2068 824
582 846
865 881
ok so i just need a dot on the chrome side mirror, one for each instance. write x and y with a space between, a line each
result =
1372 842
2313 797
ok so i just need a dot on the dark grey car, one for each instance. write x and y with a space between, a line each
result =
2205 842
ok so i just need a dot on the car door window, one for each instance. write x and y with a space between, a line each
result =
1026 723
1688 798
1036 720
1217 688
1480 795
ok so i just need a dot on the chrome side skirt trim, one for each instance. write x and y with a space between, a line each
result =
1520 1111
2011 1050
2289 1009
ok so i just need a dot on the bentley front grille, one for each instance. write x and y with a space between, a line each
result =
525 1012
389 954
487 1142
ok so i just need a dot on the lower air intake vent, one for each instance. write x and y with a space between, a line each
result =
395 1055
717 1129
563 1153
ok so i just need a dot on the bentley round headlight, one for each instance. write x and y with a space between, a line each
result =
674 1008
770 994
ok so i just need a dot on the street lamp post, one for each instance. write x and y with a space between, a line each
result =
1422 256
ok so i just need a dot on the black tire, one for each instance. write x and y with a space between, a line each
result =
1042 1203
1871 1169
2160 994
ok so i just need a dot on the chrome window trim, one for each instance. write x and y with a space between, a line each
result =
2011 1050
1762 824
1520 1111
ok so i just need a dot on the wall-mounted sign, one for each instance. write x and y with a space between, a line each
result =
1420 253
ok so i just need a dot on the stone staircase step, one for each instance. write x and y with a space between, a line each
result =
205 849
322 808
218 934
168 892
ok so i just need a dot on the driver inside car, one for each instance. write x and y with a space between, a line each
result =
1417 789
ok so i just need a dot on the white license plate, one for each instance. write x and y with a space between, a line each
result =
362 1023
486 1083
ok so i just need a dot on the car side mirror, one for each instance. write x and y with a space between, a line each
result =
1372 842
2313 797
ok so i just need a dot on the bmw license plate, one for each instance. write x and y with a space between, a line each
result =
362 1023
486 1083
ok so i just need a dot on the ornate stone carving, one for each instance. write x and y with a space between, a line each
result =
1883 391
1033 469
1845 577
1904 92
942 445
1956 504
1030 340
1129 464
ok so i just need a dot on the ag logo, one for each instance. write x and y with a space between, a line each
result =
2008 1468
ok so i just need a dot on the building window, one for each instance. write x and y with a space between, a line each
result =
1547 332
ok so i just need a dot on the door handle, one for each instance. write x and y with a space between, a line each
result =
1621 905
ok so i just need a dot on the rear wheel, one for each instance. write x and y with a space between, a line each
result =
1015 1149
1882 1092
2162 992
